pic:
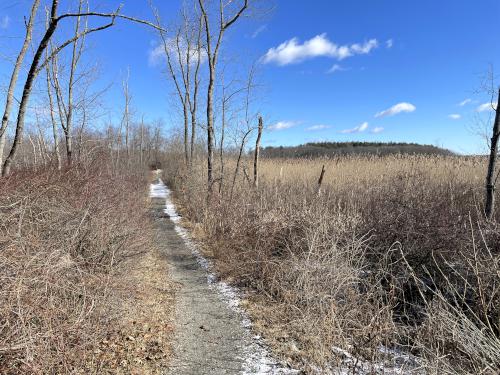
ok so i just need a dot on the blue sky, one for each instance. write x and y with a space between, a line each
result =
330 69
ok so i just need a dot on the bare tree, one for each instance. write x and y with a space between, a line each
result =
213 49
141 144
33 71
38 65
257 151
66 103
13 79
55 132
246 128
227 96
193 102
76 55
490 176
126 115
183 54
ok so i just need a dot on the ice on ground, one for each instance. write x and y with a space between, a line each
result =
158 190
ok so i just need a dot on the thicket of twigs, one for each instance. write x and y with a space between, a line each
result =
64 236
392 255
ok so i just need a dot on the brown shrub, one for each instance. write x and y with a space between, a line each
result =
63 236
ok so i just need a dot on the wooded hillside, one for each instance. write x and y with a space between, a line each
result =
329 149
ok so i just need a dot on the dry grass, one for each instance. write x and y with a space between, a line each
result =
68 240
394 253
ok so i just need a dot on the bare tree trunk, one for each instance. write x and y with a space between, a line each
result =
75 58
13 80
186 132
33 147
213 54
53 119
194 101
210 128
320 180
490 181
193 135
42 147
221 149
257 152
141 155
28 86
126 116
80 133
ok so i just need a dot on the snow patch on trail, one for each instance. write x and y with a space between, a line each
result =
257 359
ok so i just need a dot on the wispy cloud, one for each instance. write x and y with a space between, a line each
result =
259 30
465 102
282 125
377 130
293 52
358 129
455 116
4 22
157 53
389 43
335 68
395 109
486 107
318 127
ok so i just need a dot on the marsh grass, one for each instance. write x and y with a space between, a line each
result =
393 253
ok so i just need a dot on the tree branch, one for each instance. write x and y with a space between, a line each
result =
113 15
236 16
69 41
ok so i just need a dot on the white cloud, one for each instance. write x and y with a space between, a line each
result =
293 52
389 43
358 129
282 125
318 127
486 107
395 109
377 130
455 116
335 68
157 54
363 127
465 102
4 22
258 31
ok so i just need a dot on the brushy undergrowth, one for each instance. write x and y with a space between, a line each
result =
63 238
394 253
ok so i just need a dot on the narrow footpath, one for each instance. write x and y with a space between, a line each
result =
212 334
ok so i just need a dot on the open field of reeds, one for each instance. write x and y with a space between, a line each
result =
390 253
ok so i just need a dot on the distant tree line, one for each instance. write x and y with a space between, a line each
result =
330 149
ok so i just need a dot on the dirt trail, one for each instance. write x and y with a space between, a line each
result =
212 333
